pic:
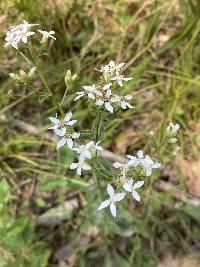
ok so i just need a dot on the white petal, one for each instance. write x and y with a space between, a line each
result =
135 195
24 39
127 187
117 165
108 107
87 154
115 99
148 159
89 144
75 135
107 86
123 105
79 95
99 102
89 88
113 209
90 95
156 165
110 190
62 142
73 166
140 154
79 170
128 97
119 196
108 93
68 116
119 66
59 132
129 105
86 167
54 120
71 122
138 184
70 143
120 83
133 161
148 172
104 204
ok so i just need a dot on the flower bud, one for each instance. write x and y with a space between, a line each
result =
172 140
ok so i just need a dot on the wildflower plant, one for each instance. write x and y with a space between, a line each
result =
106 101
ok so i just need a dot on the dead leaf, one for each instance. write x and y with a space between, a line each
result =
183 262
191 169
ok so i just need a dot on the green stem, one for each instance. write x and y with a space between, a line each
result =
64 94
98 127
56 103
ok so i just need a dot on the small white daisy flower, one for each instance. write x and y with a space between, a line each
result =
105 99
130 187
113 197
148 164
123 101
67 138
135 161
90 92
62 124
11 40
79 166
46 35
84 150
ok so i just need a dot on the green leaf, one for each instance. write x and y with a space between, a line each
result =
192 211
43 96
66 156
63 182
4 191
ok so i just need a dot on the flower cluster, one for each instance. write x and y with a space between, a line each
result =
23 77
64 129
127 183
102 94
22 32
172 131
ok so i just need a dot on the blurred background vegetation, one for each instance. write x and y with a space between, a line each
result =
48 218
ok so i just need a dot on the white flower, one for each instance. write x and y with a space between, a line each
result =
130 187
11 40
62 124
23 34
24 25
122 100
79 95
173 128
67 138
105 99
46 35
111 69
114 197
96 147
17 33
135 161
90 91
79 166
120 78
148 164
84 150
